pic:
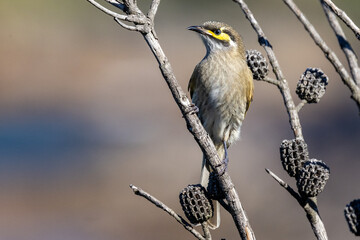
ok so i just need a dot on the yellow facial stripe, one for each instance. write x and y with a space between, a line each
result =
222 36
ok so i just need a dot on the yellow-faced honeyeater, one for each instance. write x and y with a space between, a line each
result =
221 86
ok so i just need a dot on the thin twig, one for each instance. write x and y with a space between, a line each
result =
329 54
286 186
153 9
271 81
129 18
300 105
344 17
282 85
309 205
117 4
159 204
343 42
128 27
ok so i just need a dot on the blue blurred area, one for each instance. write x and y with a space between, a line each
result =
43 146
50 134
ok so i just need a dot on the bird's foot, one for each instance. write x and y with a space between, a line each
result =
225 161
192 109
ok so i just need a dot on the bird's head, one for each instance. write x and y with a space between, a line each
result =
218 36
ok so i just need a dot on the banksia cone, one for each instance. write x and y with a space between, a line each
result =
214 189
312 178
312 85
257 64
195 204
293 154
352 216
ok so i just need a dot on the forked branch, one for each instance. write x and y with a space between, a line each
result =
309 205
344 17
159 204
343 42
329 54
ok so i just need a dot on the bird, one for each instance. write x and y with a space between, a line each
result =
221 87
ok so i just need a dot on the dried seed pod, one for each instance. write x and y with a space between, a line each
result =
257 64
352 216
312 178
293 154
312 85
214 190
195 204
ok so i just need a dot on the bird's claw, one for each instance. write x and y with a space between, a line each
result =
225 162
192 109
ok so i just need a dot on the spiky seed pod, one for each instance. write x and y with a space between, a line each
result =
195 204
352 216
293 154
312 178
312 85
257 64
214 190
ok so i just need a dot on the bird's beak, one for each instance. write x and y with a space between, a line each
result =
199 29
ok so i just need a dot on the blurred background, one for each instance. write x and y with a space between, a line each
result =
84 112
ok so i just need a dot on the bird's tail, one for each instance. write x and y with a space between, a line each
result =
214 222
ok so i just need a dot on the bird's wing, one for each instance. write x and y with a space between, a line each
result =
192 82
250 88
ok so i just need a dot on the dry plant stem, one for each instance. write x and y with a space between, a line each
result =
286 186
116 4
343 42
329 54
271 81
130 18
159 204
312 215
309 205
206 230
300 105
344 17
146 28
282 83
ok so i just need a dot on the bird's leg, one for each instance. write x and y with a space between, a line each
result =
192 109
225 161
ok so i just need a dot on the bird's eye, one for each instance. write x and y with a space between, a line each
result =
217 32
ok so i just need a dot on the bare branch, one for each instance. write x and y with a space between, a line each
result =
128 27
309 205
117 4
344 17
300 105
153 9
344 44
314 218
129 18
205 227
271 81
282 83
329 54
159 204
